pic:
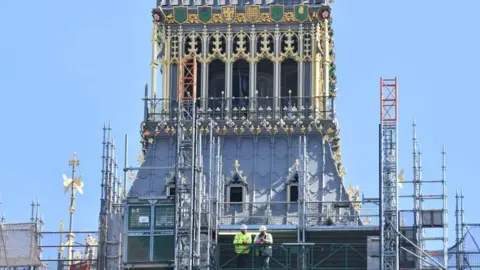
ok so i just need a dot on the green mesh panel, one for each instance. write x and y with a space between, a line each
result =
139 218
164 217
138 248
163 248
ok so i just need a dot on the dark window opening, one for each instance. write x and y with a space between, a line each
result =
240 85
216 85
171 191
236 194
293 193
264 84
289 83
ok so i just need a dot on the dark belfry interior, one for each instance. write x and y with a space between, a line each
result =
289 82
265 83
216 84
240 84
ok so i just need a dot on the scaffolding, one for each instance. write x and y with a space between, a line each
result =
111 206
465 254
188 171
426 219
388 175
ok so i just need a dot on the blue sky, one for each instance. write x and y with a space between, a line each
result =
66 67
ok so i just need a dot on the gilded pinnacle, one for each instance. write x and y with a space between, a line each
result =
236 164
74 161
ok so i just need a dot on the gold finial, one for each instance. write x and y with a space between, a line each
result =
74 161
236 164
297 163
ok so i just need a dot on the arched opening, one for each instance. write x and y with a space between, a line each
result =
216 85
264 84
289 83
240 86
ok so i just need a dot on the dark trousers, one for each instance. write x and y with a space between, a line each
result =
242 261
266 262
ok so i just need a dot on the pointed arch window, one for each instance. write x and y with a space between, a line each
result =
170 184
237 186
292 183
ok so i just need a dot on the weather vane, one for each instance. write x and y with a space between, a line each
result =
74 185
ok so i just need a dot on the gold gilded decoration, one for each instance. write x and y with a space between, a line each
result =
76 183
252 13
228 14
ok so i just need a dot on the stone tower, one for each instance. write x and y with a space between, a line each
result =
260 78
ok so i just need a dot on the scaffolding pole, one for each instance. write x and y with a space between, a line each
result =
389 161
427 218
416 197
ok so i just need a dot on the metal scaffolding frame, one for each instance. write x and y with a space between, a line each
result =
390 181
188 177
388 174
465 257
112 194
426 219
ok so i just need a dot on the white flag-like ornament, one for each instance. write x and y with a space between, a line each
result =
400 178
77 184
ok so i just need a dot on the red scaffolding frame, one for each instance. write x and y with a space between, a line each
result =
187 79
388 101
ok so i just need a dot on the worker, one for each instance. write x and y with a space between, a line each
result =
242 242
264 242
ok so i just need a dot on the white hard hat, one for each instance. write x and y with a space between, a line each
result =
243 227
262 228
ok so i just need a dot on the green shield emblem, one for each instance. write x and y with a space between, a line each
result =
276 12
204 14
180 14
301 12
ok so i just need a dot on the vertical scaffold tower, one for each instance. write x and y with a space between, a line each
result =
187 219
428 217
388 180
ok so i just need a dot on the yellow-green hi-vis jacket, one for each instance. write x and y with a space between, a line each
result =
241 248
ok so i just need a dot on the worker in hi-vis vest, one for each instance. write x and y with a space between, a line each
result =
242 242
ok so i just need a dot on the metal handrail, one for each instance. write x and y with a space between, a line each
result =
244 108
